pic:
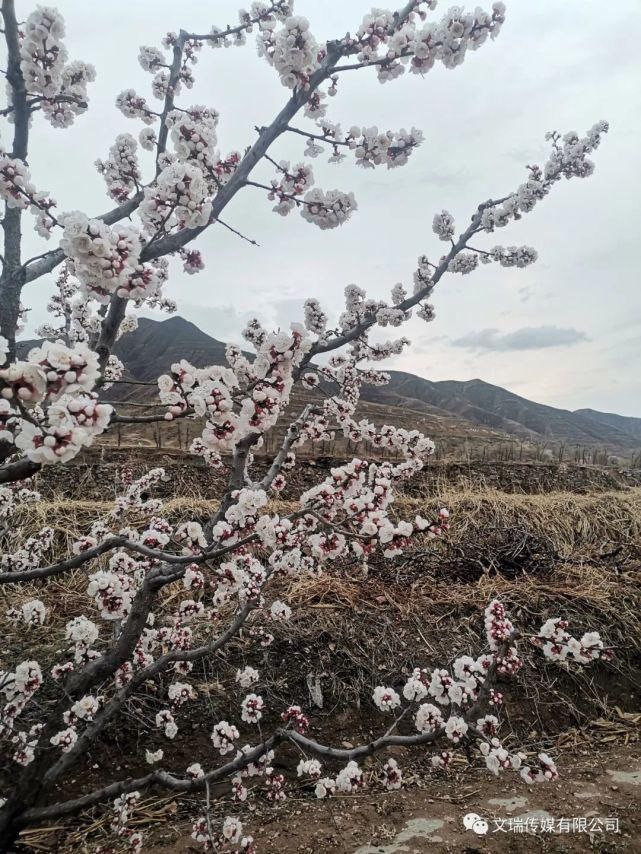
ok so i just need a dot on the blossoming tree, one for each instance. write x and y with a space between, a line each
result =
222 570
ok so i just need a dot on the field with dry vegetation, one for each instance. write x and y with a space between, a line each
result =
546 539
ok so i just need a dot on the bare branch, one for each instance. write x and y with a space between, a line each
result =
162 778
174 77
291 436
144 419
238 233
20 470
410 302
11 280
320 137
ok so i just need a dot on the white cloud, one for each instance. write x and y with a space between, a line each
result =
526 338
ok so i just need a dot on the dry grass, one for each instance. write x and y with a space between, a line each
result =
541 553
502 542
569 521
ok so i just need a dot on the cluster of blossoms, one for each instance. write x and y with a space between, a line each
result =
83 633
544 773
467 262
84 709
386 699
17 191
463 688
295 717
252 708
138 493
189 178
381 42
112 593
101 257
264 13
31 613
61 85
133 106
24 745
371 147
568 159
180 198
428 718
292 183
357 497
77 321
66 428
165 720
311 768
392 775
443 225
513 256
223 737
498 627
557 644
65 415
247 677
50 372
123 809
231 833
30 553
215 393
326 209
14 496
18 687
180 693
497 758
121 170
348 780
292 51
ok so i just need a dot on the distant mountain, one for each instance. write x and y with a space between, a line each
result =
497 408
474 406
156 345
629 426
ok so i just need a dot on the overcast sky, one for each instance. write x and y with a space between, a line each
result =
564 332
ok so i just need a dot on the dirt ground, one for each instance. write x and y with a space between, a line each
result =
596 783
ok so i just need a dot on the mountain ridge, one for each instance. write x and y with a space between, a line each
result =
151 349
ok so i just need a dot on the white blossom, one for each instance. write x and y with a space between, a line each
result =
386 699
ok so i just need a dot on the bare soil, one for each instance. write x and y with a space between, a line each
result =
596 782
